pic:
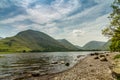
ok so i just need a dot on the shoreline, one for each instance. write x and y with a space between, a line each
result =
89 68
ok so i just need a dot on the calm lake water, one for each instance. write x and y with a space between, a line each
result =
44 62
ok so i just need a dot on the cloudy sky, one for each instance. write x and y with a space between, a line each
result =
78 21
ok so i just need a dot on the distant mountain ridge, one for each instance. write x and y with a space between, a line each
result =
0 37
93 45
79 47
106 46
35 41
67 44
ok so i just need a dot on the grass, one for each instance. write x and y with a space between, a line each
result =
118 77
117 56
7 52
116 67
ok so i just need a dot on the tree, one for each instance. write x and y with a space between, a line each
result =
113 30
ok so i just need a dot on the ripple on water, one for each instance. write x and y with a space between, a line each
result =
19 64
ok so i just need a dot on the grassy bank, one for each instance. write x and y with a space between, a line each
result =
116 68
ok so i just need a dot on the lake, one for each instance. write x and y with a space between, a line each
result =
12 65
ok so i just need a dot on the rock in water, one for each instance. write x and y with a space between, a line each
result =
67 64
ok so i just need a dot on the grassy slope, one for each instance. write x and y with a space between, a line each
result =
12 44
67 44
106 46
30 41
93 45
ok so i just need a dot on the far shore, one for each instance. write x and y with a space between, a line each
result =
55 51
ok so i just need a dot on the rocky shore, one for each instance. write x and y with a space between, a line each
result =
93 67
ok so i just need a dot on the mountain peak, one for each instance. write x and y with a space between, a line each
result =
28 31
93 45
67 44
31 40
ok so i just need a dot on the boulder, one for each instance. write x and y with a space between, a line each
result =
67 64
35 74
103 59
96 57
102 55
96 53
107 54
54 62
62 62
92 54
78 56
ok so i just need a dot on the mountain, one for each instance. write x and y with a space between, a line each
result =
93 45
30 40
106 45
79 47
67 44
0 37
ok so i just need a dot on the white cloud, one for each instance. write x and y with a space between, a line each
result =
57 10
105 1
89 13
89 31
49 28
41 13
4 4
65 8
14 19
23 3
78 32
97 24
21 27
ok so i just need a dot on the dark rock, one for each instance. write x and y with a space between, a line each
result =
35 74
90 65
67 64
107 54
103 59
96 53
92 54
24 51
92 70
102 55
96 57
78 56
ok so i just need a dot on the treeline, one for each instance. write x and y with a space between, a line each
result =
4 50
113 30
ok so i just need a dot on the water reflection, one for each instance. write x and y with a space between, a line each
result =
44 63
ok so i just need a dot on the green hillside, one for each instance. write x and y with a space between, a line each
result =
106 46
79 47
30 40
93 45
67 44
